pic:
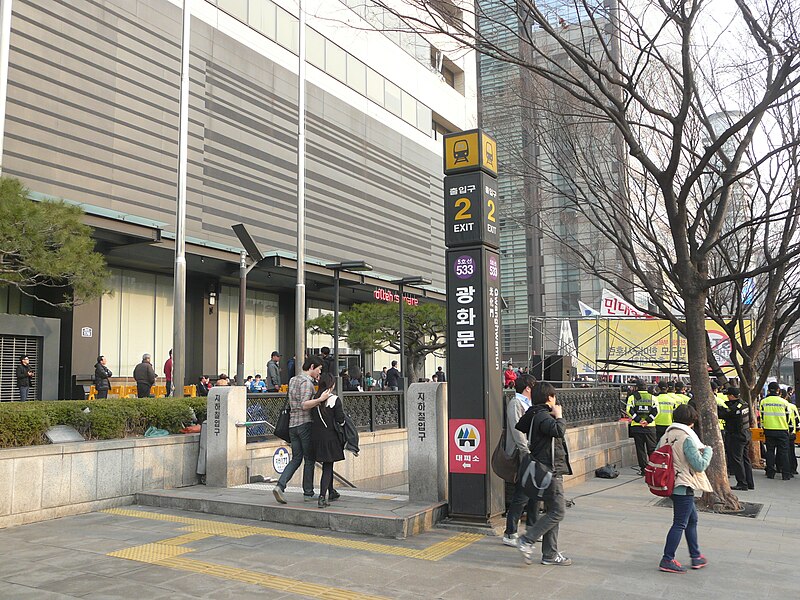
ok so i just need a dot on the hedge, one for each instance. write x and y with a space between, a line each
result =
25 423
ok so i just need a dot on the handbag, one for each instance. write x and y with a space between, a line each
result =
506 467
282 424
536 477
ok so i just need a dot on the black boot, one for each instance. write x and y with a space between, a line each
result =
322 503
333 495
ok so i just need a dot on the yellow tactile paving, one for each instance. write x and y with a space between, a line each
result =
206 526
150 553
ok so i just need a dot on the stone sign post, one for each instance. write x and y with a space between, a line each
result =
426 423
226 447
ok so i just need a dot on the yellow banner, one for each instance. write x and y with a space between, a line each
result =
643 346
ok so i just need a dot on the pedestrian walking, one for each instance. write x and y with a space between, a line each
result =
548 445
393 378
439 375
516 440
690 460
101 377
301 401
328 447
145 377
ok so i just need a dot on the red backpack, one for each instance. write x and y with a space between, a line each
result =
659 474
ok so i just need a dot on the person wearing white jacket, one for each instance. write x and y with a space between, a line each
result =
515 439
690 459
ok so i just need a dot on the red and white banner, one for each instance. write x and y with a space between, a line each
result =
614 306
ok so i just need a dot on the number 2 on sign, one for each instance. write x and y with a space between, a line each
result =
465 205
490 216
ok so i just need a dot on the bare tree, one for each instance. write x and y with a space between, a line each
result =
646 132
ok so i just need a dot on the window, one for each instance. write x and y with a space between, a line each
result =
261 329
438 129
409 108
287 30
447 9
262 17
393 101
235 8
424 117
449 77
356 75
335 61
375 90
315 48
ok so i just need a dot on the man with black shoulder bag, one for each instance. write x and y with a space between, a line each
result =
549 460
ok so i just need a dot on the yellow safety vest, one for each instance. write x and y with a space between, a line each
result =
776 414
681 398
795 417
666 404
721 402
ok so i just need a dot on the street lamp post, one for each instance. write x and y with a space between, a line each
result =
413 280
255 254
337 268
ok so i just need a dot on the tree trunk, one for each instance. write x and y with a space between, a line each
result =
416 367
722 498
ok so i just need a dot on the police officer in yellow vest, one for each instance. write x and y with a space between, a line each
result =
642 409
776 415
679 396
666 404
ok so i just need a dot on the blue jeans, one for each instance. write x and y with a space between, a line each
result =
300 440
518 500
23 393
684 522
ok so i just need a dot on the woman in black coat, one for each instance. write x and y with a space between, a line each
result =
328 448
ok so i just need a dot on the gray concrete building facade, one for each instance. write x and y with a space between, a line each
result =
92 118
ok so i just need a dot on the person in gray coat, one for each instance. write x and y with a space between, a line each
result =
274 372
515 439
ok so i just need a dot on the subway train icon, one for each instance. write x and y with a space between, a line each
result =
460 151
489 153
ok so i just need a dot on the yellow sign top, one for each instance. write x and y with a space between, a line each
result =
470 151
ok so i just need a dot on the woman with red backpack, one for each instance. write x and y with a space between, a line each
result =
690 460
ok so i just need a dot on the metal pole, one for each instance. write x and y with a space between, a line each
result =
5 46
300 293
242 309
402 336
336 333
179 283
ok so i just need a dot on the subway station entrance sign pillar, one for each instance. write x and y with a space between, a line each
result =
474 391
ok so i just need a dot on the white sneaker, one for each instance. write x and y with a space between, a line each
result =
558 560
527 549
511 539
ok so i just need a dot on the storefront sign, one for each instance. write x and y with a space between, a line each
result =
390 296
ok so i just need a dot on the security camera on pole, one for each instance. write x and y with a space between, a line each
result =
475 395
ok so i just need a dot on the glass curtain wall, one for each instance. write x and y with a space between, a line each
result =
261 331
136 318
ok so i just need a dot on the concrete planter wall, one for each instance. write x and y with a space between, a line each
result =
46 482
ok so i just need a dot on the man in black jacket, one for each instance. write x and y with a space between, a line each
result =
737 433
24 376
101 375
548 445
393 378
